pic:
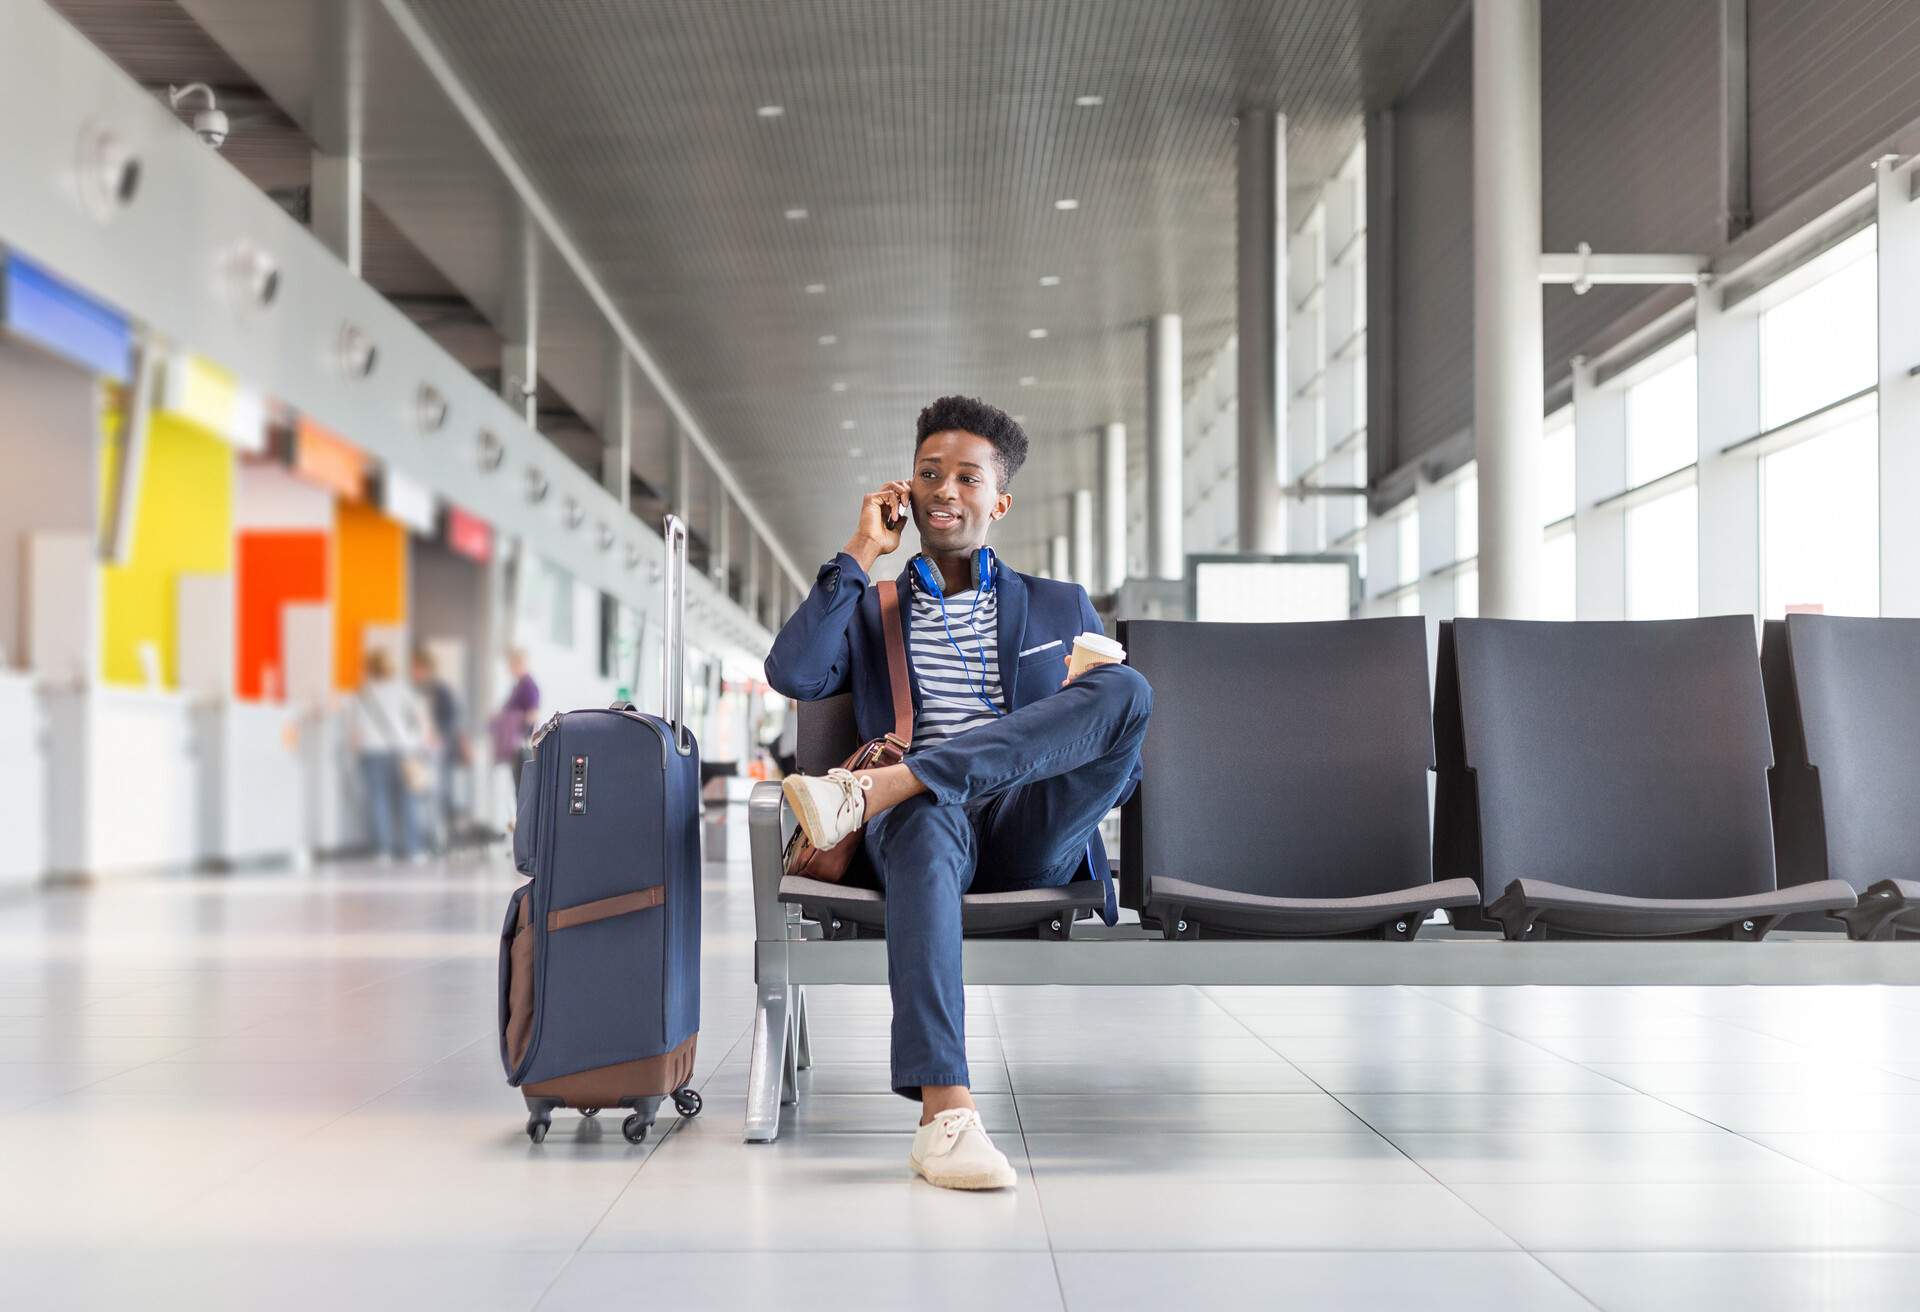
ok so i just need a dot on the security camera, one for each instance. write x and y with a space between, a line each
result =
209 124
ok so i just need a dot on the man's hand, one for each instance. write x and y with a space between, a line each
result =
883 514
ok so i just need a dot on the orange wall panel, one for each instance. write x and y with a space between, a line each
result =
370 573
274 568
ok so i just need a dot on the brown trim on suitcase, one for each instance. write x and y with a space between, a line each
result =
623 904
606 1086
520 987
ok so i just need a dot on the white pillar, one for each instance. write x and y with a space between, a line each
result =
1166 509
1113 507
1599 473
750 595
1508 353
1727 487
679 477
721 542
1059 563
1262 280
334 206
1899 237
1080 518
616 429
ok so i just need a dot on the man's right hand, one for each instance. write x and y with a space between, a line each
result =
883 514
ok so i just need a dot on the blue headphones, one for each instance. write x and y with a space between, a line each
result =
985 569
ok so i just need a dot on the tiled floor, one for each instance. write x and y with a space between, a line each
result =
283 1091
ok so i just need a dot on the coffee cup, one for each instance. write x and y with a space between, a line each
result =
1091 649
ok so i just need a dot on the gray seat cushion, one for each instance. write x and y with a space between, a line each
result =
1547 907
980 913
1259 915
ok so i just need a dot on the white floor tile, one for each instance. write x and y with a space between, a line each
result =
808 1282
1536 1113
1157 1113
1219 1157
1313 1282
1752 1282
1124 1079
1691 1216
1516 1158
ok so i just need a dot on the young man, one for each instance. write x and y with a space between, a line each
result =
1012 765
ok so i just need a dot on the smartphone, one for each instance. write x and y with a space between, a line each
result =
895 519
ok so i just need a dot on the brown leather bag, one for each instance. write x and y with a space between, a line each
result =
802 857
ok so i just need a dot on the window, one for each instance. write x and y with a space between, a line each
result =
1408 534
1663 418
1466 592
1556 467
1820 522
1663 557
1466 517
1557 577
1822 344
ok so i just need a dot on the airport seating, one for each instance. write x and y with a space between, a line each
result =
1284 781
855 908
1609 780
1843 697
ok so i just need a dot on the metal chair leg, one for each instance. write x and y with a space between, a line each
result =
804 1055
767 1066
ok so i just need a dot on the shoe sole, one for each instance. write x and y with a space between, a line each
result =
802 803
983 1181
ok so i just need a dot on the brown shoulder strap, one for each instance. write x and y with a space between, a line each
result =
896 641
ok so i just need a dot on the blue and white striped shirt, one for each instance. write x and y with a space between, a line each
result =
948 680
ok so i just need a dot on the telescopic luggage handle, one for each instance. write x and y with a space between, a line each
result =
674 657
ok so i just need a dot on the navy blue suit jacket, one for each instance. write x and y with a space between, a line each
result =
833 644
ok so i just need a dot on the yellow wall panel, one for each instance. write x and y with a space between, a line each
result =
370 583
184 525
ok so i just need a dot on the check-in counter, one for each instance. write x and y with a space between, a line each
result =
122 785
252 786
335 819
23 745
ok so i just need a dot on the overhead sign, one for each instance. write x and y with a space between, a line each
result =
322 457
469 535
407 501
204 394
37 307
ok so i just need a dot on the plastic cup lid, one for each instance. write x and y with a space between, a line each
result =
1101 645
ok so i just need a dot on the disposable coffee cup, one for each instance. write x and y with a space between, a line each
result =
1091 649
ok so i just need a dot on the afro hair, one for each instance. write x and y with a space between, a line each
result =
971 415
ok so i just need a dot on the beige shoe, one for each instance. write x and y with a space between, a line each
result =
829 806
953 1151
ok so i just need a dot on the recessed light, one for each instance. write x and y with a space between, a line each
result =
1036 333
849 423
1028 380
815 288
856 452
1049 280
1066 203
796 213
1089 102
771 111
828 339
1019 419
839 387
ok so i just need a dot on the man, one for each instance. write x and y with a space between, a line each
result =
449 740
1012 765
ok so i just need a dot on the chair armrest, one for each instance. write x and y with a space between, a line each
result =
766 840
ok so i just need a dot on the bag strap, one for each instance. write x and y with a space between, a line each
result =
896 644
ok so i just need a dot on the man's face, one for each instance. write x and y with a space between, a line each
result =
956 491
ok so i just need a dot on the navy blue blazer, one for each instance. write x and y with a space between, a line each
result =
833 644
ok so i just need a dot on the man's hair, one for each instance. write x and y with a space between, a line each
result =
971 415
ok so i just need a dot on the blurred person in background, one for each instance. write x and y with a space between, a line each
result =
390 733
451 752
512 725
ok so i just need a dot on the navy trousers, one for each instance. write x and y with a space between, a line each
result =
1009 805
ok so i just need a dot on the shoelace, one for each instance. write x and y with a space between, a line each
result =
848 781
953 1126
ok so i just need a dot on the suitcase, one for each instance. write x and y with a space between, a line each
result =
600 953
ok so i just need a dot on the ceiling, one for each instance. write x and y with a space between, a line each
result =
926 140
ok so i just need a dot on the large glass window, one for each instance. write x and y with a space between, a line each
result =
1556 467
1466 592
1663 423
1822 343
1557 579
1466 517
1663 557
1407 533
1820 522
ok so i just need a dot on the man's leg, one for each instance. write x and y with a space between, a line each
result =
925 855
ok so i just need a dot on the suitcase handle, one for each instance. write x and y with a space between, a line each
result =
674 654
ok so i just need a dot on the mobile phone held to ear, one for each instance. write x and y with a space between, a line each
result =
895 517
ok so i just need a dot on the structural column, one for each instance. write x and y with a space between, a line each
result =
1113 507
1166 454
721 541
1059 563
1899 264
680 476
520 353
616 430
750 594
1261 239
1080 521
1508 355
334 206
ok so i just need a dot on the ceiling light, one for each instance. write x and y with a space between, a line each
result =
1019 419
1049 280
856 452
815 288
849 423
1036 333
1089 102
1065 203
1028 380
796 213
828 339
771 111
839 387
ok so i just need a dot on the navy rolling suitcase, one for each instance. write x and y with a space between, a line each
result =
600 954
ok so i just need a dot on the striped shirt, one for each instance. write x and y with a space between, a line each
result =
948 680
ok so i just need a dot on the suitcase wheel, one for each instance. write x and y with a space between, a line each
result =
635 1127
589 1112
536 1129
687 1102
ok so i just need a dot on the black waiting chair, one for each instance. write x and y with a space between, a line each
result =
1283 781
1609 780
1843 695
856 908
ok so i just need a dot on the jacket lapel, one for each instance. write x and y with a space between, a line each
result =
1010 590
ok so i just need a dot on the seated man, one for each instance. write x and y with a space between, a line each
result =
1012 765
